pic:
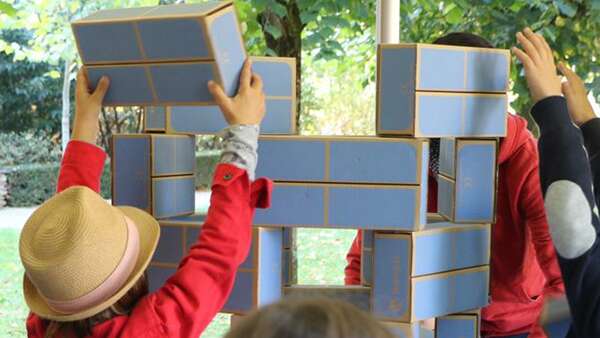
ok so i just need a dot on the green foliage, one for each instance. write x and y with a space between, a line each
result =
29 98
206 161
31 185
27 148
13 309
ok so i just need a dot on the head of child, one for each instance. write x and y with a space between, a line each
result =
85 261
309 318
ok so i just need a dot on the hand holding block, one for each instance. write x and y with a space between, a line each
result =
142 48
258 281
458 325
352 206
154 173
338 159
435 91
358 296
279 85
399 294
467 180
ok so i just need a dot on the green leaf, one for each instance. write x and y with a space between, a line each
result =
516 6
274 31
307 17
566 8
278 9
7 9
455 16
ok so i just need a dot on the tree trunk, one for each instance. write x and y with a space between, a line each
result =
66 104
289 44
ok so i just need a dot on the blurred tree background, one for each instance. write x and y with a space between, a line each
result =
333 41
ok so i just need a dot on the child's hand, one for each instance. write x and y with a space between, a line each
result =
538 61
574 90
248 106
87 108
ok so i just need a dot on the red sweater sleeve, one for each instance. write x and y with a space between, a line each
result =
190 299
352 270
82 164
531 204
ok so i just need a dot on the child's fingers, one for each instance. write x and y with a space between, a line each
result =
546 46
567 90
82 82
572 78
257 82
534 38
246 75
217 92
523 57
101 89
529 47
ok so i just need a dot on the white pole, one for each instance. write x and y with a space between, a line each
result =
388 21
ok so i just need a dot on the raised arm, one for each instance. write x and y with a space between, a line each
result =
567 186
197 291
83 161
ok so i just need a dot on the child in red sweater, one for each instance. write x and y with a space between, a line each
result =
85 260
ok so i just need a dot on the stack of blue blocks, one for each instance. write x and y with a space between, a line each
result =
415 266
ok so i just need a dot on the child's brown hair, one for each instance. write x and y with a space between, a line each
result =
309 318
82 328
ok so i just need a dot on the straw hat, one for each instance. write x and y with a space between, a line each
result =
81 255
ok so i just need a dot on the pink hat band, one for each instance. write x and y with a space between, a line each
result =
111 284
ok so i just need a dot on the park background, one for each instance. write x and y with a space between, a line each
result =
334 43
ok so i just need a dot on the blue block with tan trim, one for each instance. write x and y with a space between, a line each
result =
143 50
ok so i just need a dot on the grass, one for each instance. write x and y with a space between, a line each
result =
321 260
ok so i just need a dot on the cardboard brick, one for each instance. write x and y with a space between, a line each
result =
286 270
190 226
279 85
154 173
170 248
354 206
467 180
154 119
435 114
457 325
366 263
344 159
164 34
399 294
426 67
158 275
260 281
358 296
280 118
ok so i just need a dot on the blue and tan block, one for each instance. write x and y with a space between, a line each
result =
358 296
154 173
342 159
259 278
366 262
467 180
443 68
405 291
463 325
351 206
279 85
154 119
165 54
176 236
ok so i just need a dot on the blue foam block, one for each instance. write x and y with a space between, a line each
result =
129 85
443 68
157 276
154 119
463 325
279 118
286 269
358 296
343 159
258 285
404 330
366 267
278 75
173 196
170 245
377 207
468 194
398 296
157 34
